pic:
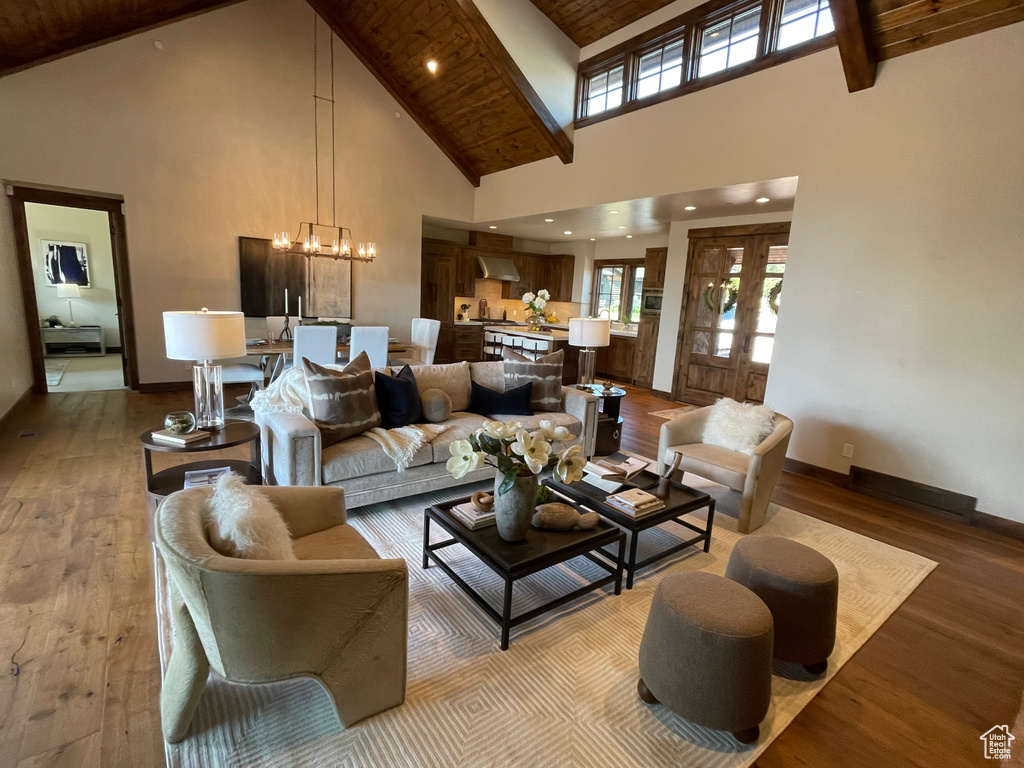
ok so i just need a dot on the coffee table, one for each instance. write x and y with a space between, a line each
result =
512 561
682 500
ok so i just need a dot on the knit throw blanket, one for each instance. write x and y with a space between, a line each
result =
401 443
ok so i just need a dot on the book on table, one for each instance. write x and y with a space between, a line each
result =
617 467
635 502
471 517
197 478
166 436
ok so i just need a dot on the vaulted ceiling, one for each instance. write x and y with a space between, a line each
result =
587 21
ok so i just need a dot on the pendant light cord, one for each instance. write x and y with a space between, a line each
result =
316 122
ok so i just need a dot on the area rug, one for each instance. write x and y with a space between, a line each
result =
563 694
671 413
54 371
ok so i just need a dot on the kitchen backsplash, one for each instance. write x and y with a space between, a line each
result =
515 309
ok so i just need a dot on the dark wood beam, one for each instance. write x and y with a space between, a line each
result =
856 40
513 77
384 75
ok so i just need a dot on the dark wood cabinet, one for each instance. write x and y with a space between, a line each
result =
616 360
645 349
537 272
469 343
445 350
655 262
466 272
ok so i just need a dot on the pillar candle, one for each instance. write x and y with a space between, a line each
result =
300 307
286 301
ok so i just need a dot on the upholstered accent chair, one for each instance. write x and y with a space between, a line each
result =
338 613
755 476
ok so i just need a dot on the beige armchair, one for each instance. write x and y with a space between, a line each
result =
754 476
338 613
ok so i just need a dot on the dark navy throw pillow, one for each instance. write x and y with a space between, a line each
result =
398 399
512 402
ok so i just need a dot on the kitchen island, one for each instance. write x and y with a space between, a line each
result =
534 344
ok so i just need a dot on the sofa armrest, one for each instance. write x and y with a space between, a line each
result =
308 510
291 449
583 405
682 430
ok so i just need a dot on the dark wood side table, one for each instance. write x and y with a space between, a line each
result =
235 432
609 422
512 561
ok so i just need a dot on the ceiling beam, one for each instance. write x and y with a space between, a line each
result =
856 40
513 77
384 75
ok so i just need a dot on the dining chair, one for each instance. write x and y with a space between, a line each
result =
316 343
424 339
371 339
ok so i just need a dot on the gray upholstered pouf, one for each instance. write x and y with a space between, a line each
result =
707 653
800 586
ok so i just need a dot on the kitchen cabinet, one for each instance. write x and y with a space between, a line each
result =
467 270
645 349
469 343
444 352
655 261
437 286
616 360
536 272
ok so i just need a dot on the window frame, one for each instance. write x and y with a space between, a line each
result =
629 267
688 27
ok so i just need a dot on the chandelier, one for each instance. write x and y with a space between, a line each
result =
316 238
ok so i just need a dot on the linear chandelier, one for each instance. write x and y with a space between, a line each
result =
314 237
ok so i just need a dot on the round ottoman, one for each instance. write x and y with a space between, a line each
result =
707 653
800 586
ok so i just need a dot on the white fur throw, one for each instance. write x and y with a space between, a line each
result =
738 426
243 523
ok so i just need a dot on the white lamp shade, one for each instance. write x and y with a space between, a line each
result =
204 335
589 332
68 291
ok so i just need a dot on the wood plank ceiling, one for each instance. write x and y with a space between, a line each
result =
587 21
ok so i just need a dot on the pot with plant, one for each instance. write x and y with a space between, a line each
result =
535 305
519 457
464 313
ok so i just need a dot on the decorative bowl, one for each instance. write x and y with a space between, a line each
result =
180 422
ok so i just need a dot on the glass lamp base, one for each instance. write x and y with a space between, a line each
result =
588 357
209 396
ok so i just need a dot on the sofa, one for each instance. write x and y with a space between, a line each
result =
293 454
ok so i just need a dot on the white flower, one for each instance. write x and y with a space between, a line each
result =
464 459
550 432
534 449
528 297
540 303
543 294
570 464
499 430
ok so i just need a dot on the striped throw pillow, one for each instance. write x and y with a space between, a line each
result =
342 403
545 373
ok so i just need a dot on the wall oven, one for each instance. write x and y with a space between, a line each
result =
650 302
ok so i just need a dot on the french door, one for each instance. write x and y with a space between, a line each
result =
731 306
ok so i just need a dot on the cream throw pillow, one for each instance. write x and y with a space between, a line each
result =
738 426
243 523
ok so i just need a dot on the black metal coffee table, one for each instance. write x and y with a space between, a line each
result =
512 561
682 500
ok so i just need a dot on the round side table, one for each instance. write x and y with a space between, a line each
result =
235 432
609 422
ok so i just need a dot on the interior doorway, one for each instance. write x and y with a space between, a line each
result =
731 306
73 269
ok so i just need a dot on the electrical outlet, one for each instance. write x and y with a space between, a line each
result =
847 450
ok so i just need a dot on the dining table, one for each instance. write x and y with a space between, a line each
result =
281 351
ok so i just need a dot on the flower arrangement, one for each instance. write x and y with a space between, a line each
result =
535 304
517 453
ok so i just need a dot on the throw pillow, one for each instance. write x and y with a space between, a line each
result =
342 403
545 373
453 378
738 426
398 399
437 406
511 402
243 523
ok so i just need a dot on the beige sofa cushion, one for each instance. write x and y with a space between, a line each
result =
359 456
715 463
342 542
452 378
490 374
557 419
462 426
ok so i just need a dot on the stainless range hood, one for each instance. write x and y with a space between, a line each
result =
495 268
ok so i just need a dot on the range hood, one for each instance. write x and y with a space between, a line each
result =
496 268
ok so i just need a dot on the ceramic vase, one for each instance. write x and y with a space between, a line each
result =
513 510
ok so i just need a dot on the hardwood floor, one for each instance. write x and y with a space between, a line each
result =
77 631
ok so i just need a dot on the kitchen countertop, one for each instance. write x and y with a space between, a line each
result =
558 331
625 334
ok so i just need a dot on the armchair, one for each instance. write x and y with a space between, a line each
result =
754 476
338 614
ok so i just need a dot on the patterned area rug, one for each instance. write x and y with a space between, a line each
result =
671 413
564 694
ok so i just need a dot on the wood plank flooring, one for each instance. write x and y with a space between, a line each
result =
79 685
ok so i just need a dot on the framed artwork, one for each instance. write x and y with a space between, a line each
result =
65 263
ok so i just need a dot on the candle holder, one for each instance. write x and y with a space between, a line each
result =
286 331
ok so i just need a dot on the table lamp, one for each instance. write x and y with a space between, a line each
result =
589 333
69 291
204 336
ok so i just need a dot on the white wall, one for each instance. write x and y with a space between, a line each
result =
901 331
212 138
98 304
15 363
547 58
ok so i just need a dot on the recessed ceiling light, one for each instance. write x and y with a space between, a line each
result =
548 220
567 232
432 67
158 45
622 226
629 237
763 200
492 227
690 208
614 211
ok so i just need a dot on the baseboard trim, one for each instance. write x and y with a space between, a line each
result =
113 350
662 394
6 418
158 387
907 493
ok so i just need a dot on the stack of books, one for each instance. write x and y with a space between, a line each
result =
471 517
635 502
610 474
171 438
